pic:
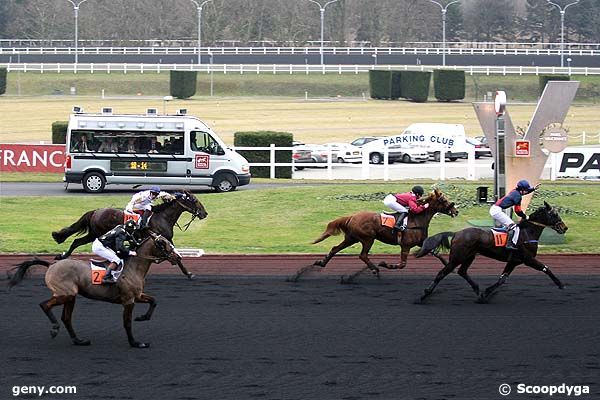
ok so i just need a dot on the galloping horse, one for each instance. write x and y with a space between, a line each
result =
68 278
469 242
365 227
95 223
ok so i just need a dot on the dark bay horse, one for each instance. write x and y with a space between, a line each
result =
469 242
95 223
365 227
67 278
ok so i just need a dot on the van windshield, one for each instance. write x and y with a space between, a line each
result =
91 141
204 142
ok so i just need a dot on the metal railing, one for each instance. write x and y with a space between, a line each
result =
282 68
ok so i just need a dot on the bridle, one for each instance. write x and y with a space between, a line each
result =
193 211
167 253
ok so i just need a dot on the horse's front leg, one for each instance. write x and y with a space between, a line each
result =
537 265
403 260
127 314
491 291
144 298
184 270
364 256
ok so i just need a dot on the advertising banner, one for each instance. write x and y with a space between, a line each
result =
32 157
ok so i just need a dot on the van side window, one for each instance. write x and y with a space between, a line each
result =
202 141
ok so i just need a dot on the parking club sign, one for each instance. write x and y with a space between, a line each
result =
522 148
202 161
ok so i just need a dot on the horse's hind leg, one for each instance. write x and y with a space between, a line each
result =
47 306
88 238
364 256
127 313
490 291
462 271
441 275
347 242
144 298
67 313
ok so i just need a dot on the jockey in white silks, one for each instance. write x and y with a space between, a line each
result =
141 202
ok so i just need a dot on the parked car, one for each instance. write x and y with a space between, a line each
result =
481 149
301 155
345 152
377 150
318 153
412 153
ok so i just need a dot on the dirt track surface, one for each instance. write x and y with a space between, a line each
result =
248 337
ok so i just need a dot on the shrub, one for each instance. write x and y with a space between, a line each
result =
396 81
380 84
59 132
543 80
182 84
2 81
448 84
265 139
414 85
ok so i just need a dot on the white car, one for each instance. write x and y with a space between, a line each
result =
413 153
345 152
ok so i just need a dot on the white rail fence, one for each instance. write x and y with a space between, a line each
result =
280 68
218 51
469 169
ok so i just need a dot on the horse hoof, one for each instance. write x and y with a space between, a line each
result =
60 257
562 287
419 300
139 345
81 342
191 276
318 263
142 318
54 331
402 266
346 281
291 279
482 300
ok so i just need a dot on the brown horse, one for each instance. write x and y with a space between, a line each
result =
469 242
365 227
68 278
97 222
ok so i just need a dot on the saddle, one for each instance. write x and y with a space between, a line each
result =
137 218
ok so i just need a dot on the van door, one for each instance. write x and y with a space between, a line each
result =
208 156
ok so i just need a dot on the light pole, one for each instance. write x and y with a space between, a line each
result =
444 10
562 28
76 14
322 9
199 9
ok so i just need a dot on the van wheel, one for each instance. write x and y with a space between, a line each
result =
340 160
375 158
224 183
94 182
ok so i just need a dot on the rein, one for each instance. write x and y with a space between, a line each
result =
188 209
156 260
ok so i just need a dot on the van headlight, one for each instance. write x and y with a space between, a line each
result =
245 168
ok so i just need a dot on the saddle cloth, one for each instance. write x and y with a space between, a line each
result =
133 216
500 237
387 220
98 273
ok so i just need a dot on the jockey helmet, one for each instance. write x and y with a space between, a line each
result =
130 225
523 185
418 190
155 189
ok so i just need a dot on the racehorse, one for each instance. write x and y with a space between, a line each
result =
469 242
67 278
366 227
97 222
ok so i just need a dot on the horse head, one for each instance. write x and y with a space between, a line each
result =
548 216
163 249
189 202
438 202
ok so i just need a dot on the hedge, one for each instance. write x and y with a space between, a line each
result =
448 84
396 82
2 81
182 84
265 139
380 84
414 85
59 132
543 79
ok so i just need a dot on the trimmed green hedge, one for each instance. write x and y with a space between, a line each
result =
2 81
448 84
182 84
543 79
265 139
59 132
396 82
380 84
415 85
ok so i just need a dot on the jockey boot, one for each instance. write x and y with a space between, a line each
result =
509 240
400 222
108 278
145 217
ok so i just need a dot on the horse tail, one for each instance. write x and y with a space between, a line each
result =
22 270
82 225
333 228
435 242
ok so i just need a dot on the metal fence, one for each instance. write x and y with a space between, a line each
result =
282 68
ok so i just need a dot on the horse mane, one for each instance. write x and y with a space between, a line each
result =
166 204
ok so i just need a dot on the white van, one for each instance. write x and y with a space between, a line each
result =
435 137
107 148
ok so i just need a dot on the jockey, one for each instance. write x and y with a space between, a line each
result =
513 198
141 203
403 203
111 246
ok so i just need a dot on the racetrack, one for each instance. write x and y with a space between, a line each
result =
244 336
